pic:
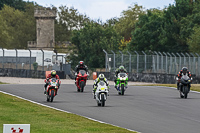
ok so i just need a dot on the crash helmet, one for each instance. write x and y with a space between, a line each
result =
101 76
53 73
184 69
121 68
81 64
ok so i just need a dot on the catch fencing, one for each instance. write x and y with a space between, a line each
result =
152 62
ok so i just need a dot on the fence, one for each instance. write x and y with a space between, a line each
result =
25 59
31 63
154 62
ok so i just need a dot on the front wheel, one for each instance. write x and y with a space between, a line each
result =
82 86
122 89
102 100
185 91
52 95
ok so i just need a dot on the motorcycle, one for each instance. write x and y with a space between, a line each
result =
101 93
122 82
184 86
52 89
81 80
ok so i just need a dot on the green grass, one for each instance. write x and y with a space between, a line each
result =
45 120
194 87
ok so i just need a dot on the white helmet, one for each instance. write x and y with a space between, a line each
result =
101 76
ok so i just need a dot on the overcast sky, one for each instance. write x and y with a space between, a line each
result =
104 9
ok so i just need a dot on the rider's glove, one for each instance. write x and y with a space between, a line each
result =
95 87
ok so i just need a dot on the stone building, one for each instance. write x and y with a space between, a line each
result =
45 18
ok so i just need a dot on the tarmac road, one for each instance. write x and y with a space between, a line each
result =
146 109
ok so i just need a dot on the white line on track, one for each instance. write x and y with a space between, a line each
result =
64 111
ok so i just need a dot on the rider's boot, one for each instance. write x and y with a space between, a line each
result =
45 91
177 86
181 88
108 90
116 87
45 88
94 93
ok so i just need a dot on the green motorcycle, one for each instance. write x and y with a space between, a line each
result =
122 82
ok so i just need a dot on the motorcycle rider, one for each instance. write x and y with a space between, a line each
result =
121 69
80 66
49 76
183 71
101 77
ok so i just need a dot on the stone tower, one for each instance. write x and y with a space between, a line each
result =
45 18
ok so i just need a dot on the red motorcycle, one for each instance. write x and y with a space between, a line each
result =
52 88
81 80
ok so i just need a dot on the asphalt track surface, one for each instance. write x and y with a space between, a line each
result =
145 109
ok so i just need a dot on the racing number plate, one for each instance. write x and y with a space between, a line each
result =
102 89
54 83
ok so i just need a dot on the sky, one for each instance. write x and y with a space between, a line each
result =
104 9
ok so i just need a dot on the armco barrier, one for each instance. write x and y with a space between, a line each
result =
9 72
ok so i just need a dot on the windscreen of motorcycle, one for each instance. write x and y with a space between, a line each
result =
122 75
53 81
82 72
185 77
101 83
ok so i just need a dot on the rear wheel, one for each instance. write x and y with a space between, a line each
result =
122 89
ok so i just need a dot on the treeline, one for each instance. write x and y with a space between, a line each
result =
173 29
17 23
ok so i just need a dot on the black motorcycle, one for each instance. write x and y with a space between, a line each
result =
184 86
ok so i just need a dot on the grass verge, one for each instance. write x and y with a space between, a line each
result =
2 82
194 87
45 120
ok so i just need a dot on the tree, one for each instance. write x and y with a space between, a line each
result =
90 42
147 34
5 38
166 30
69 19
17 4
194 40
20 26
127 21
179 22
